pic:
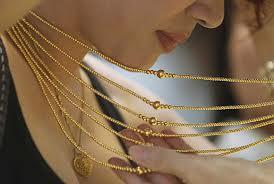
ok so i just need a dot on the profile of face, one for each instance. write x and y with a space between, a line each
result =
137 32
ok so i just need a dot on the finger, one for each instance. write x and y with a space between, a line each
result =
196 168
158 178
176 142
187 167
132 135
157 159
128 178
154 140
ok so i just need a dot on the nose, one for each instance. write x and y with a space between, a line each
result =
208 13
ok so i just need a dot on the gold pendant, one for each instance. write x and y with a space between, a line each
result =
82 165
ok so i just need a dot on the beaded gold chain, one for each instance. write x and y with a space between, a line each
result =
21 35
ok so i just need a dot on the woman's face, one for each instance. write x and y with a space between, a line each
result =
137 32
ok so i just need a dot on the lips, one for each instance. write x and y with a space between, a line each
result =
169 41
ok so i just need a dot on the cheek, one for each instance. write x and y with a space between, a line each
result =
125 29
150 13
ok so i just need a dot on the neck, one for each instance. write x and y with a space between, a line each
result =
67 45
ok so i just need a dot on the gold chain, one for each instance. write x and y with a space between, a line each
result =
81 164
67 98
43 84
25 48
151 120
216 133
252 127
161 74
231 150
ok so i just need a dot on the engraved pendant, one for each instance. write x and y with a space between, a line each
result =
82 165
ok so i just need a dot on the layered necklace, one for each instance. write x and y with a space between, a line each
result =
22 34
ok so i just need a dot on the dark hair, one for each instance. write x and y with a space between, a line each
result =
259 11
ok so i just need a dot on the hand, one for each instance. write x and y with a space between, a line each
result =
196 169
155 177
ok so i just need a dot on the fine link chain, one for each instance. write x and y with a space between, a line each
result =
161 74
217 150
86 85
42 83
207 150
233 149
178 135
141 172
265 159
77 97
58 104
152 120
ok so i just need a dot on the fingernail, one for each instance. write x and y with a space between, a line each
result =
139 153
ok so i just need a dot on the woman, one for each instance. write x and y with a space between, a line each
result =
140 32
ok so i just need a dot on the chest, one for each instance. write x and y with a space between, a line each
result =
50 140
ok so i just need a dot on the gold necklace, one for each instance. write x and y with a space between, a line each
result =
81 163
151 120
208 151
159 73
44 86
223 149
263 124
138 170
230 149
157 105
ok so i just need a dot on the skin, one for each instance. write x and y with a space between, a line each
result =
249 48
189 168
132 41
248 52
200 169
7 6
125 30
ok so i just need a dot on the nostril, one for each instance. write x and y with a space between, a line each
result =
202 22
205 15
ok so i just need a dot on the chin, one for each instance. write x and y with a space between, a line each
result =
147 63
